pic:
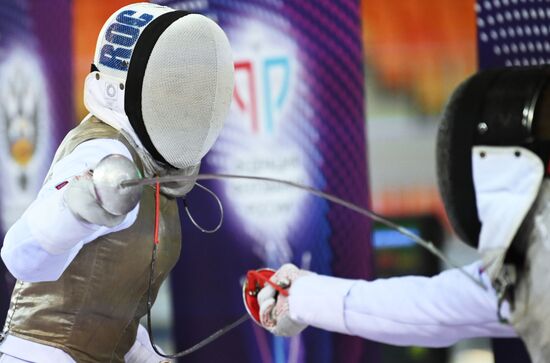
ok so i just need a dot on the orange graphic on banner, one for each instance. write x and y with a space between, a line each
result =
422 47
88 18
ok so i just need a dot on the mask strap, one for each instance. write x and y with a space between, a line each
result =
220 206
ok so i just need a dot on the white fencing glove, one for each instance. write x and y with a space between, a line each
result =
81 199
274 309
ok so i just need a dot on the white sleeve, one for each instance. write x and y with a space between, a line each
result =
31 249
142 351
411 310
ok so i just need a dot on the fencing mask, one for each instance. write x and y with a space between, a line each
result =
165 77
494 112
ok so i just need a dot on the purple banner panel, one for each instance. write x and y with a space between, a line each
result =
36 103
297 114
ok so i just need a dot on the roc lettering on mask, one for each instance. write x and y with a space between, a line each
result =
121 36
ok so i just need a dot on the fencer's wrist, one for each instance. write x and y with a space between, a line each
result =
319 301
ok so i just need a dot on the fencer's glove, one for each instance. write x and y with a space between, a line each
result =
82 200
274 308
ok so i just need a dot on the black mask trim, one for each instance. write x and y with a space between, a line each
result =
454 164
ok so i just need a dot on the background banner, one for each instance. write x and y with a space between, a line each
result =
36 104
297 114
512 33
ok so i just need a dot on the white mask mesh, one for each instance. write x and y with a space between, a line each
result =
187 89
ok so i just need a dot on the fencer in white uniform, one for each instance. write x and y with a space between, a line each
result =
493 154
411 310
159 90
47 237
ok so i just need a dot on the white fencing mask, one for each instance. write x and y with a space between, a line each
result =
165 77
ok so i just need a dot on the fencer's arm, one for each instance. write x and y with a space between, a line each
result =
430 312
47 237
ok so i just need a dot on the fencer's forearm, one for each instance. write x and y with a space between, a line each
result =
27 260
41 244
54 226
431 312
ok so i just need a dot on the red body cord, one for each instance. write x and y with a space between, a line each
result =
157 212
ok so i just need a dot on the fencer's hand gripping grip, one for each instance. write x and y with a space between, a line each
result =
256 281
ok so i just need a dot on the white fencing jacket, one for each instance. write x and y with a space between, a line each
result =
49 225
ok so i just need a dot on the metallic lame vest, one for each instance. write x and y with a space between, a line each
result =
92 312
